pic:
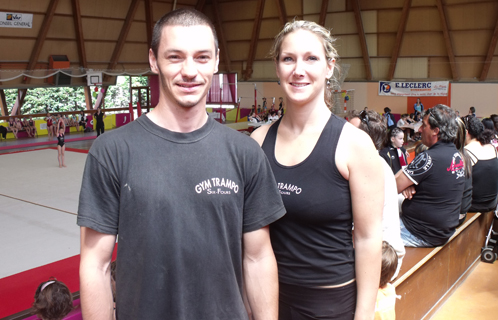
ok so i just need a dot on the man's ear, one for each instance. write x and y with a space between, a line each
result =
153 62
217 61
436 131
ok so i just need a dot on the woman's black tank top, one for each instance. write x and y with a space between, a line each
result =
313 241
484 184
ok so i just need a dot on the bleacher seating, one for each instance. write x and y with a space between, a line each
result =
428 276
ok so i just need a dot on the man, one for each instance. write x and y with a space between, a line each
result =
190 199
433 183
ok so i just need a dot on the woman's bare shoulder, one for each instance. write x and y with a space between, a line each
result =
260 133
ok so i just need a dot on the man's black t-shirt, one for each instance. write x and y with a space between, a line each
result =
439 178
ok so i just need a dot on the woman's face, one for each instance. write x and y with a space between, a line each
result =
303 67
397 140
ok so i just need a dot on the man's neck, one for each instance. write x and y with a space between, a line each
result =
179 119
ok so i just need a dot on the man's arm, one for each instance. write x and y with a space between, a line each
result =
95 275
404 184
260 274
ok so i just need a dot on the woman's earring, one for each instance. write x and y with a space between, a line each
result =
278 82
328 82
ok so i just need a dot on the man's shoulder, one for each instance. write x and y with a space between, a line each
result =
236 138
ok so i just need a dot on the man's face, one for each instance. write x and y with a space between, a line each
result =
186 61
429 136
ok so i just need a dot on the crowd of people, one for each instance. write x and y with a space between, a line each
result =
265 114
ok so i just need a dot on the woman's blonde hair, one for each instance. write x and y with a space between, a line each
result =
328 45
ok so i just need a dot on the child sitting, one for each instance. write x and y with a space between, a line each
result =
53 300
386 297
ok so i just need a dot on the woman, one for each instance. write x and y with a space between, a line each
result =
418 107
99 117
50 126
395 155
329 173
484 166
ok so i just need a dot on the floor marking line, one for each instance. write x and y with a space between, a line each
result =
37 204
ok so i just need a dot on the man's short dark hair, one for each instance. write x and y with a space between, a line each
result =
473 109
375 125
444 118
184 18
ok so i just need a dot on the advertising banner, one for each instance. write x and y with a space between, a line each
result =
16 20
413 89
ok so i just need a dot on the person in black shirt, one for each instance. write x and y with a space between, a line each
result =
433 183
99 116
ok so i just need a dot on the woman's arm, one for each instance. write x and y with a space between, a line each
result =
360 163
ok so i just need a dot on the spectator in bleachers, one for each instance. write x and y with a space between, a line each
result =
26 127
472 112
82 121
395 155
467 191
18 124
432 183
32 126
13 127
386 297
484 166
53 300
375 126
402 121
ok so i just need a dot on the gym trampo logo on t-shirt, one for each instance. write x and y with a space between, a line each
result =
420 165
457 166
287 188
217 186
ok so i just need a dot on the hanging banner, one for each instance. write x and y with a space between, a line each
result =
414 89
16 20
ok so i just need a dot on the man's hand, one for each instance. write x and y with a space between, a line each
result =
409 192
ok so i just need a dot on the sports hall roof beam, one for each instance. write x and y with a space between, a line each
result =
489 57
122 36
399 37
88 97
149 21
200 5
447 40
254 38
282 13
79 32
323 12
221 35
363 40
41 37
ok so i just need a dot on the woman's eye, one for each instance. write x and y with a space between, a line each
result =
313 58
287 59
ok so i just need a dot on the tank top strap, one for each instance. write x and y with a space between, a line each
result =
268 145
330 135
474 159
